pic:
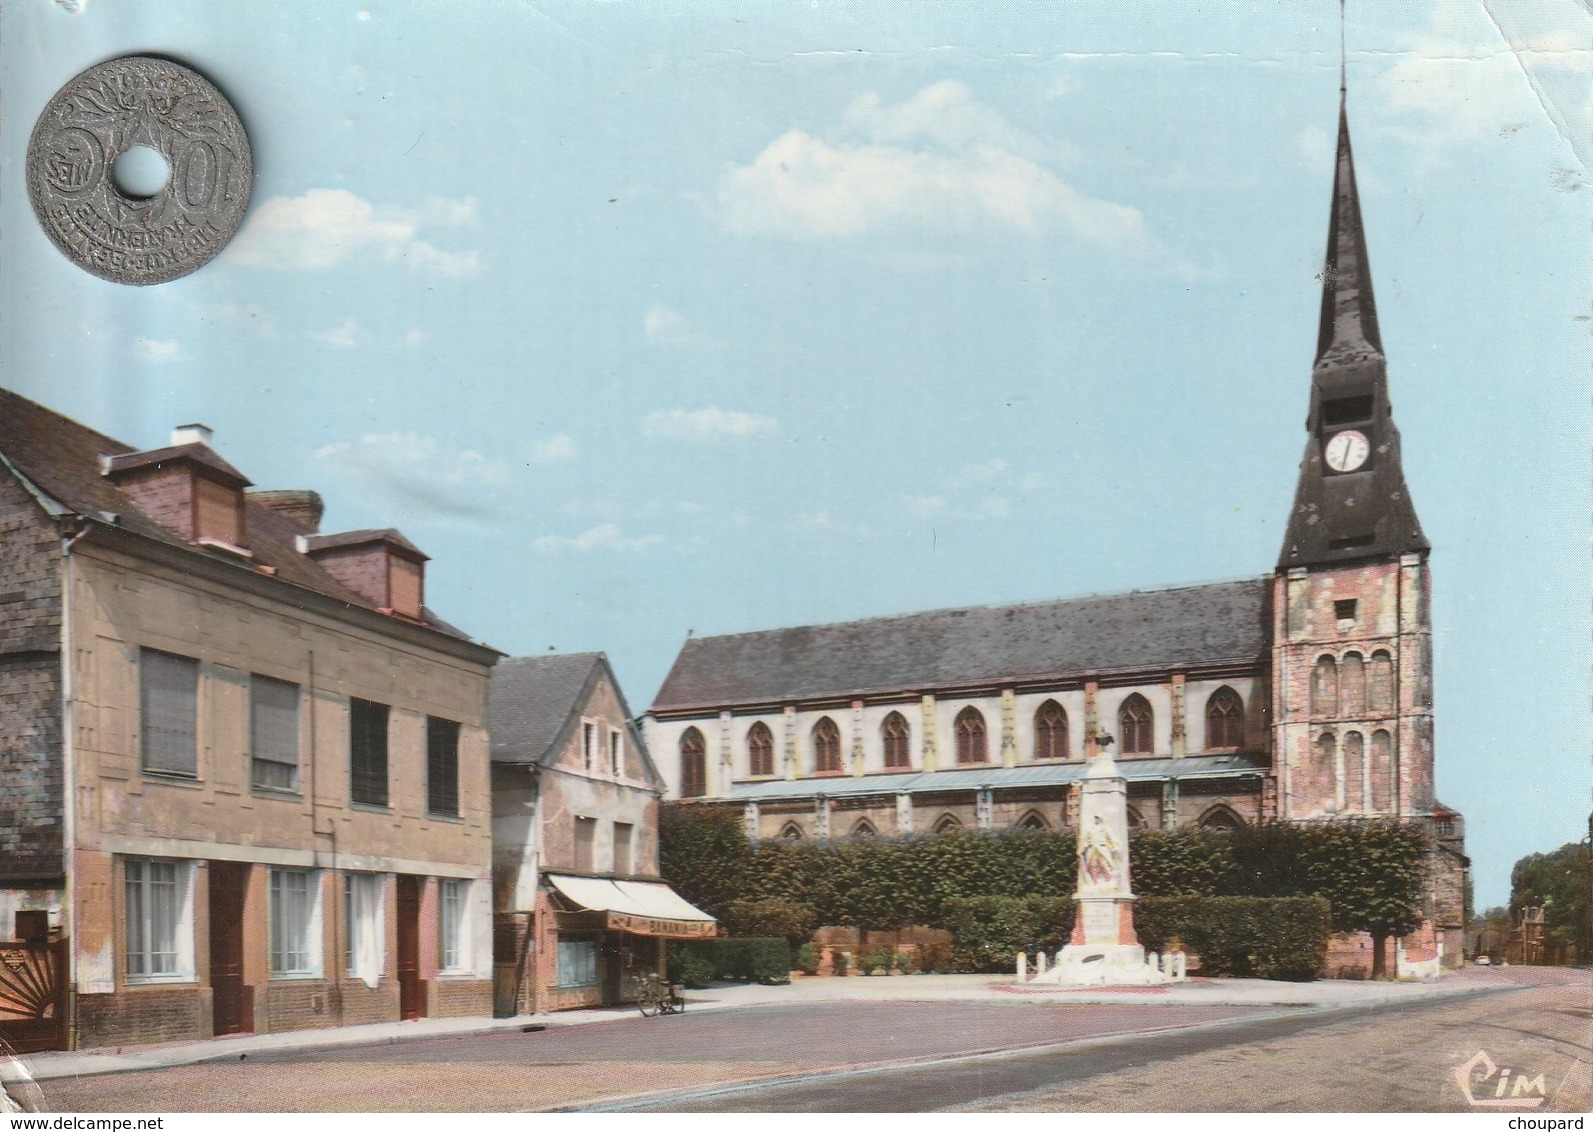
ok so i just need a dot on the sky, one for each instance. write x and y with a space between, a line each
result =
651 319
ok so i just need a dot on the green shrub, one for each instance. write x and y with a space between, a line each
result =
1250 936
690 966
902 961
737 960
935 956
841 962
874 959
989 931
770 917
807 959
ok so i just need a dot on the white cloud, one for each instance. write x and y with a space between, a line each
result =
940 161
343 336
414 474
705 424
823 521
157 351
664 325
325 228
552 450
980 490
604 536
414 338
1485 70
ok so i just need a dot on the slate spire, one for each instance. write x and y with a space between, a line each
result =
1351 502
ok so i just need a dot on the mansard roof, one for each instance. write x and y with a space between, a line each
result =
61 461
535 702
1220 624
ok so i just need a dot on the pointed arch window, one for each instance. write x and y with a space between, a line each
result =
971 746
1220 819
946 823
693 764
895 736
1135 722
790 831
1050 731
1325 687
1136 820
760 750
1380 683
1225 720
864 828
1352 685
1033 821
826 747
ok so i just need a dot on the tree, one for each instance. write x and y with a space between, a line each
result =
1372 875
1559 883
704 855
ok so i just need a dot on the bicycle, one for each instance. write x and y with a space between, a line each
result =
654 996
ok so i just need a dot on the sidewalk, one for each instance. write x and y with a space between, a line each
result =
903 988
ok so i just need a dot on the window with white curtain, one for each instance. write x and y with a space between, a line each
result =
295 922
160 920
452 899
364 926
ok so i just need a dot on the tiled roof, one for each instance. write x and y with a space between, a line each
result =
531 702
1193 626
994 777
360 538
198 453
62 459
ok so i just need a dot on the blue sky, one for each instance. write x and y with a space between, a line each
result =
644 319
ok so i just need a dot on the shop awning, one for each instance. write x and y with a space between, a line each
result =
636 906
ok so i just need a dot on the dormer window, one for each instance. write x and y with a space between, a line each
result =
382 567
186 488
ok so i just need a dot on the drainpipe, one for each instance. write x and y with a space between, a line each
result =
331 833
69 777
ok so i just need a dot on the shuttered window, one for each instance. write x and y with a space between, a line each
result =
273 733
442 767
169 700
403 586
367 752
219 511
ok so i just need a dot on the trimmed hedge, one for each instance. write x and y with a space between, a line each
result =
1253 936
988 931
771 917
764 960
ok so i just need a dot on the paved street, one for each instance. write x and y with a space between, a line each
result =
1140 1055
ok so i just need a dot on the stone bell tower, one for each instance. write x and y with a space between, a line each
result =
1352 633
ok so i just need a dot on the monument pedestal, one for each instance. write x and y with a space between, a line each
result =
1103 950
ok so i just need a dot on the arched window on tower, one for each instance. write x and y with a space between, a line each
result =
971 746
1380 684
1225 720
1050 731
1352 686
1135 722
826 747
1327 749
1385 772
693 764
1325 687
894 734
760 750
1354 771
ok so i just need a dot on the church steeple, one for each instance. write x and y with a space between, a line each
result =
1351 502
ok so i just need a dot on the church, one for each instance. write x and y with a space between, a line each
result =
1302 694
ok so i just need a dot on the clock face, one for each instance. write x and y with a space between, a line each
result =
1347 450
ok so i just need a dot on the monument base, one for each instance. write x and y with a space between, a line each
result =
1101 965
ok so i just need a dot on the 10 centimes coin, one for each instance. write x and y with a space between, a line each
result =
124 236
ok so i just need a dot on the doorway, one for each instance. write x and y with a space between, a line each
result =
411 991
232 1002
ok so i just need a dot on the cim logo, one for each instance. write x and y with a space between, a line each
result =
1513 1089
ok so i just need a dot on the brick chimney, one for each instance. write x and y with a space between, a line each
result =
304 508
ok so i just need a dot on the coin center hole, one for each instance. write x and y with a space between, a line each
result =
141 172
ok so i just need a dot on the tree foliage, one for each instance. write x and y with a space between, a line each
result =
1561 883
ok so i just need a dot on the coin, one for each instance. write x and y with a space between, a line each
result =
123 236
